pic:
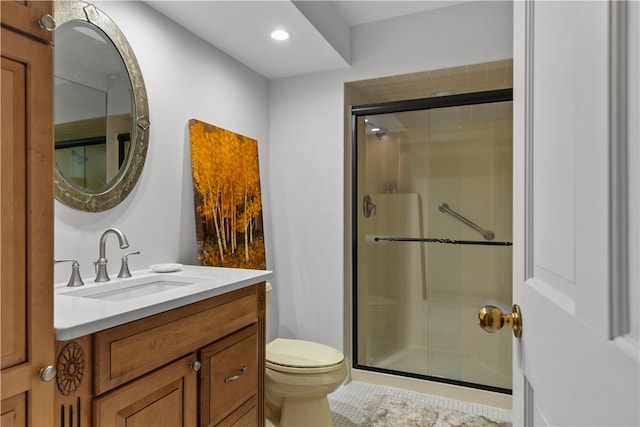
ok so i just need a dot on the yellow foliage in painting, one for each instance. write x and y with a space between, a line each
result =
226 177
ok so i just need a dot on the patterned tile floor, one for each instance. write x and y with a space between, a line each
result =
348 402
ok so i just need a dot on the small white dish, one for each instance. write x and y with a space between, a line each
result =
165 268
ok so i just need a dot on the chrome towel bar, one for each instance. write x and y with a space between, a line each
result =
438 240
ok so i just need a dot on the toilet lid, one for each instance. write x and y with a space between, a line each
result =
287 353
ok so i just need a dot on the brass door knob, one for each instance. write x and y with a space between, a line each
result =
492 319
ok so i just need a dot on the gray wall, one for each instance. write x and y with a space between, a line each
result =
298 123
306 150
185 78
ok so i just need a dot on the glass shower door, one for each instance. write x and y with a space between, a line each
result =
432 242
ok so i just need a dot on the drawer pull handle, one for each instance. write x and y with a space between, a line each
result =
236 376
195 365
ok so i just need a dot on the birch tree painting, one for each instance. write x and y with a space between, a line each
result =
228 203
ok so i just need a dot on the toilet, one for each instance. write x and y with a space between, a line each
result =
299 375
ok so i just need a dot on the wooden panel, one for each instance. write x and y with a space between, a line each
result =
33 134
13 214
167 397
244 416
23 16
125 352
14 411
229 374
72 403
262 349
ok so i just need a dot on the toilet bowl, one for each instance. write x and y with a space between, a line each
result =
298 377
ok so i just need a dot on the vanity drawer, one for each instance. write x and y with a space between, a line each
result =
125 352
229 375
244 416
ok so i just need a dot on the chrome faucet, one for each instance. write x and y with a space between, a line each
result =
75 279
101 263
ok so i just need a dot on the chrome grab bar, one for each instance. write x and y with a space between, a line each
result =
487 234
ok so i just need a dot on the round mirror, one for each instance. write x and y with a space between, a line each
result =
101 110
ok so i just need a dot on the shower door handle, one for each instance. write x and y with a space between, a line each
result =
492 319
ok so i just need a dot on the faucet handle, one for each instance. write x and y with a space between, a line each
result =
75 279
124 268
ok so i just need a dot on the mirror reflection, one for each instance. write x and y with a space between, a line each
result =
101 110
93 107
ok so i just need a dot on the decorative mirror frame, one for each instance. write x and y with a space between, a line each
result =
124 182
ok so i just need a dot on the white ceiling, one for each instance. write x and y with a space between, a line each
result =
358 12
320 30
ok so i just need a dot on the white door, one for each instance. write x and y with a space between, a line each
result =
576 213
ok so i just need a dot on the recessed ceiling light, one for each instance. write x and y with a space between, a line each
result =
280 35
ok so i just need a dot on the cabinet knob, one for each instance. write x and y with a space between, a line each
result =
48 373
47 22
195 365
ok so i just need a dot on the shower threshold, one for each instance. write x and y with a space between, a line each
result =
446 390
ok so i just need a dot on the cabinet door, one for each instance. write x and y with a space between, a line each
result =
229 376
164 398
24 16
26 230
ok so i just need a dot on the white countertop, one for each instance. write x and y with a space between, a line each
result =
75 315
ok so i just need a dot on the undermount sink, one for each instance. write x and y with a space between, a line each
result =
134 288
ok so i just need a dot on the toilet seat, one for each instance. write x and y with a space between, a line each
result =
299 356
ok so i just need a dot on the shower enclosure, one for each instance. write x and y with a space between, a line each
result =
431 214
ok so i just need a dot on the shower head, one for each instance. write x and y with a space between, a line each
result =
381 132
378 130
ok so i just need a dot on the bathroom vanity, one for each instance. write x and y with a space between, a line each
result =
190 352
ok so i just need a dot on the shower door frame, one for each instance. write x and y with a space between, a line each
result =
458 100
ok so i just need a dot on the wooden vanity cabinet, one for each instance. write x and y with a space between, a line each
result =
227 380
197 365
26 216
24 17
166 397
